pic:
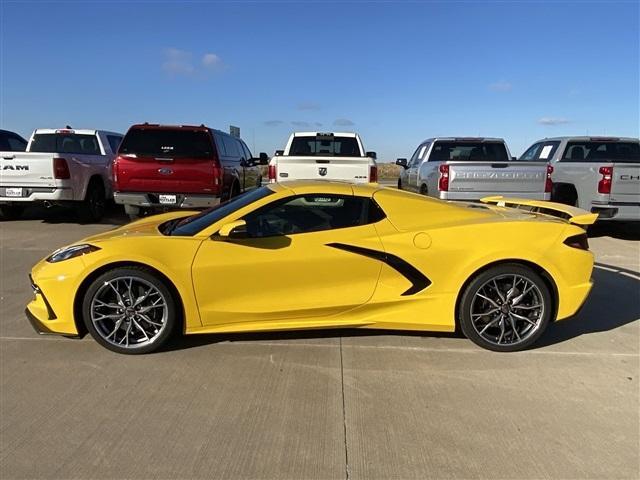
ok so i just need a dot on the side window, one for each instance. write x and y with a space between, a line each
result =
247 152
311 213
418 155
541 151
16 144
231 146
532 153
114 142
219 144
241 151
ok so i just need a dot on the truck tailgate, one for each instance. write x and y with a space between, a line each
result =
625 185
20 169
497 177
353 169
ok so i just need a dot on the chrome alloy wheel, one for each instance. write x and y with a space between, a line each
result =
129 312
507 310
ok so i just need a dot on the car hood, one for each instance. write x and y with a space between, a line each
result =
144 227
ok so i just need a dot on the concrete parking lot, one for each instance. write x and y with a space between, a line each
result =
338 404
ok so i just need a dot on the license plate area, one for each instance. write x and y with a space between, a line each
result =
167 199
13 192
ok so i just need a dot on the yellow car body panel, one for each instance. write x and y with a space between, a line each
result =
346 277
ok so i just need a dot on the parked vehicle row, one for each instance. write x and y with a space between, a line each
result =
598 174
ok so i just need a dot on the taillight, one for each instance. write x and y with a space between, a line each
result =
579 241
114 171
272 173
60 169
443 181
548 185
604 185
373 174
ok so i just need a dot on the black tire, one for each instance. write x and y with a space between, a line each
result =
481 334
565 194
399 184
11 212
423 190
94 205
166 325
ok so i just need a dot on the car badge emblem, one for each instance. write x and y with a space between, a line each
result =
322 171
165 171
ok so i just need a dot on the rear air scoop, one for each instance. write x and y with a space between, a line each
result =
571 214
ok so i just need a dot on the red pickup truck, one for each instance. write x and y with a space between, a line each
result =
180 166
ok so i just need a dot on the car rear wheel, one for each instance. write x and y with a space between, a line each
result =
11 212
94 205
129 310
505 308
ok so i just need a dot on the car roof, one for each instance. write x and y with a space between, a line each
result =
590 138
336 134
465 139
79 131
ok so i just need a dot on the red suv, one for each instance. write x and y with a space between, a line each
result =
181 166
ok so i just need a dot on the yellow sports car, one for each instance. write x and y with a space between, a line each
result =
304 255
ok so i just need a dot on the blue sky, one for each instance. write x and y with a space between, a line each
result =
395 72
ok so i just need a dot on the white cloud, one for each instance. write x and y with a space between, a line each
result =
501 86
211 61
178 62
553 121
343 122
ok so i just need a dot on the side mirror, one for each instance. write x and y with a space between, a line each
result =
233 229
263 159
373 155
402 162
279 153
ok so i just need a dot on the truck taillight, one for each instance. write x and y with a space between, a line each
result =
272 173
604 185
548 185
114 171
373 174
60 169
443 181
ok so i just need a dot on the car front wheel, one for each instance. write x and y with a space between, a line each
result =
129 310
505 308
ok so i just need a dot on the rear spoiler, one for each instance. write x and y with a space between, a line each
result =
571 214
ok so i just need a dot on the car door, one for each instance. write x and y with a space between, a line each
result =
414 166
295 260
251 172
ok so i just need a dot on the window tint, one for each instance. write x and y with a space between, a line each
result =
247 152
418 155
195 223
325 146
114 142
230 146
593 151
469 151
311 213
12 143
219 144
541 151
167 143
65 143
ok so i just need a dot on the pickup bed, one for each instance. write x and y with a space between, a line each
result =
469 169
598 174
326 156
60 166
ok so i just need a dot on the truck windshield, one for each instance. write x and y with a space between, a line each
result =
65 143
621 152
167 143
469 151
325 146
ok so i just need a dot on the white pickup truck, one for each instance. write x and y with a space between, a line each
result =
324 156
63 166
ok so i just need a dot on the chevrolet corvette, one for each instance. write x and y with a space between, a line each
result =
312 255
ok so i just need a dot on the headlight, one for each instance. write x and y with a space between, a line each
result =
66 253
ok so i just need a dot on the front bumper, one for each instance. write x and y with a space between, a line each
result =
152 200
44 319
614 211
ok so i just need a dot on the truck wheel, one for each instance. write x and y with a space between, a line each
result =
94 205
423 190
399 184
565 194
11 212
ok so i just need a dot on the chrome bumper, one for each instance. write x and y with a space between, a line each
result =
152 200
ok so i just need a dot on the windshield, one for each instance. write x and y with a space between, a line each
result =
65 143
469 151
325 146
167 143
191 225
